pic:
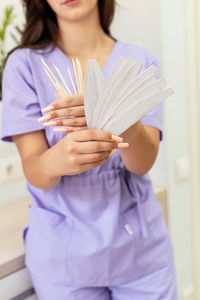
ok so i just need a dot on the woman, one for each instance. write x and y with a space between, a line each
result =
95 226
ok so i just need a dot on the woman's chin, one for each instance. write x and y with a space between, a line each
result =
75 16
77 9
72 3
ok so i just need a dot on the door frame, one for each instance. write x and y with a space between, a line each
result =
192 30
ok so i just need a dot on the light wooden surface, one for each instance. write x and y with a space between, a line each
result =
13 219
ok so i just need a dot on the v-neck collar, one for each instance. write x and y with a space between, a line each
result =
108 61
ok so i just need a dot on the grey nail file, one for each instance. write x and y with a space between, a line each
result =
132 100
94 81
131 86
118 96
120 68
135 113
146 83
120 84
124 98
114 81
130 70
124 76
143 93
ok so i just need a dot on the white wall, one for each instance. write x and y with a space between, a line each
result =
14 190
177 135
159 26
134 24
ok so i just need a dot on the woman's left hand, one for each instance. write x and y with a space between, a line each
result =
66 112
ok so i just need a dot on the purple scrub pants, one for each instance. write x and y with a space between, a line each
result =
160 285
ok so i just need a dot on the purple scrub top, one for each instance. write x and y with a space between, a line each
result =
88 229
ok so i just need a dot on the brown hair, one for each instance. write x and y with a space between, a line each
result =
41 24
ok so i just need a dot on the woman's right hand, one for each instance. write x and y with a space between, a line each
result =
77 152
83 150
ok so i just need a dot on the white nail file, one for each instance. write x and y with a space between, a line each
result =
120 84
135 113
103 100
120 93
131 100
94 81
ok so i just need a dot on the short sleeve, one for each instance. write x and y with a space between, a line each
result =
20 107
154 118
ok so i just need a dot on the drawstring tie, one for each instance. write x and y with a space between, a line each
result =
140 211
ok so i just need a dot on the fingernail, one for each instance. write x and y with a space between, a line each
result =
52 123
117 138
62 130
112 152
44 118
123 145
48 108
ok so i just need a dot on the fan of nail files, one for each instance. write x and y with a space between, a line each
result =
116 103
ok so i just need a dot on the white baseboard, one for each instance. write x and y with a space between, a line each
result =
15 284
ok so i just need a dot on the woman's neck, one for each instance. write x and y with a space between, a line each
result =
82 38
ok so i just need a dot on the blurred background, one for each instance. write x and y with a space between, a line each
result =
171 30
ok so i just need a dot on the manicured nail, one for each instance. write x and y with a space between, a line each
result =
123 145
117 138
44 118
48 108
112 152
62 130
52 123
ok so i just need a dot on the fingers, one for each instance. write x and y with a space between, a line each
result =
90 166
75 122
70 101
93 135
92 147
68 129
92 158
118 139
94 140
63 109
95 146
75 111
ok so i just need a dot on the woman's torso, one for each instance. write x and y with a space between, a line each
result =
91 219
